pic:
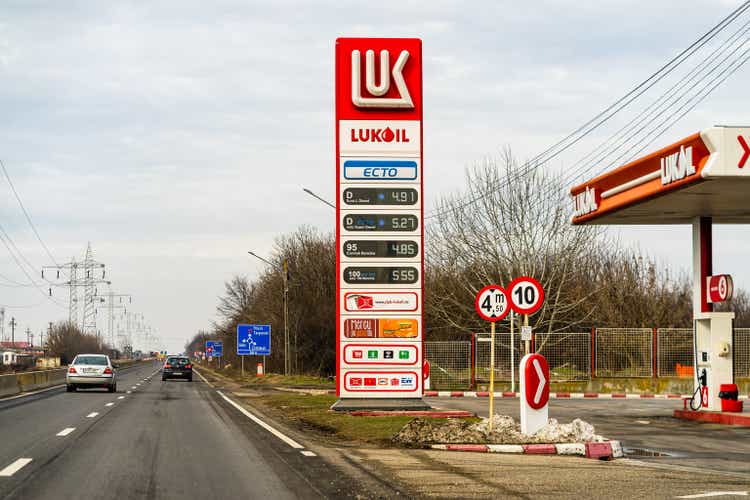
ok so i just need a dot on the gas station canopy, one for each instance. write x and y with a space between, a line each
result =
704 175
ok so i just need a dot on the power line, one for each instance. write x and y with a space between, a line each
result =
5 239
26 213
702 69
670 98
605 115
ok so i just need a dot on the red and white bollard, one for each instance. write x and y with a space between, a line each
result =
259 372
426 374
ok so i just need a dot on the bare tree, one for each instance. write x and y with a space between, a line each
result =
505 225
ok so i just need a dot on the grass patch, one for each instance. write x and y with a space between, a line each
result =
288 380
314 413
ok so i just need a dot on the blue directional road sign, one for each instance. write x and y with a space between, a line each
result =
254 340
214 348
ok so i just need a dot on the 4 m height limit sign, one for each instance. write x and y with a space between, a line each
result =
379 206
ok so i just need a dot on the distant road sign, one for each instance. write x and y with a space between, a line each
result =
526 295
254 340
492 303
214 348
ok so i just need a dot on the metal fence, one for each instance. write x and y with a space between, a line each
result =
742 352
450 364
502 355
601 353
623 352
568 354
674 350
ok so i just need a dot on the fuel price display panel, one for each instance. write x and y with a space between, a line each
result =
380 231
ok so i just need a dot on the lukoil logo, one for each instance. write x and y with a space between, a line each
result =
677 166
380 135
379 90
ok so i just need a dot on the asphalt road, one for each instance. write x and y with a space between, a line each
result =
641 424
152 439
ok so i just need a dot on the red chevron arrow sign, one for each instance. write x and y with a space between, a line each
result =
745 149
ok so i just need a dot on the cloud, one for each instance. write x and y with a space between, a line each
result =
176 135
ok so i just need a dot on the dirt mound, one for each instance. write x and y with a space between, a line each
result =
505 430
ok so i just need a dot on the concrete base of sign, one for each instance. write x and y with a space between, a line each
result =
387 404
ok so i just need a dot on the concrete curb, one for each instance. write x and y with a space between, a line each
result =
605 450
714 417
557 395
413 413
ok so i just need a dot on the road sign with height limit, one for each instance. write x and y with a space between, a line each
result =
254 340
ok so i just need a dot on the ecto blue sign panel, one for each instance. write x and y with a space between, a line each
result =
386 170
254 340
214 348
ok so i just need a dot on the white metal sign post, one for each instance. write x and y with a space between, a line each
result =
527 297
492 305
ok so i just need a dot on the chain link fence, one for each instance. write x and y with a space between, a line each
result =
568 355
618 352
675 352
502 355
742 352
450 364
623 352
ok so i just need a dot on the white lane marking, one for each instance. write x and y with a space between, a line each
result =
65 431
109 404
717 494
92 414
134 387
308 453
14 467
128 392
121 397
644 422
291 442
204 378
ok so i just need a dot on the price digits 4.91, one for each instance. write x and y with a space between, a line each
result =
380 196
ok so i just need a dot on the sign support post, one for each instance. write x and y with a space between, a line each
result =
492 374
512 354
526 343
492 305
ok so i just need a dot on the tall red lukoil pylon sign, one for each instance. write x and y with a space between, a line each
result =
379 231
700 180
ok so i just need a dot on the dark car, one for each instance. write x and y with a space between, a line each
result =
177 367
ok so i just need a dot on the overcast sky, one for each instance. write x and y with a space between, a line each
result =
177 135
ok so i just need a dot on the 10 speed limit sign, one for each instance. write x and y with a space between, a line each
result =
492 303
526 295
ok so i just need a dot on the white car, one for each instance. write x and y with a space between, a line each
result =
91 370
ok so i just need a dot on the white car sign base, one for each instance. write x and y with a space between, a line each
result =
534 393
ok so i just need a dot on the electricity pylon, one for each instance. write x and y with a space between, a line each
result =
111 304
80 275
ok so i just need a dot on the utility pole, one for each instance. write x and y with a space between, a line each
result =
109 300
285 305
28 335
13 332
287 361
